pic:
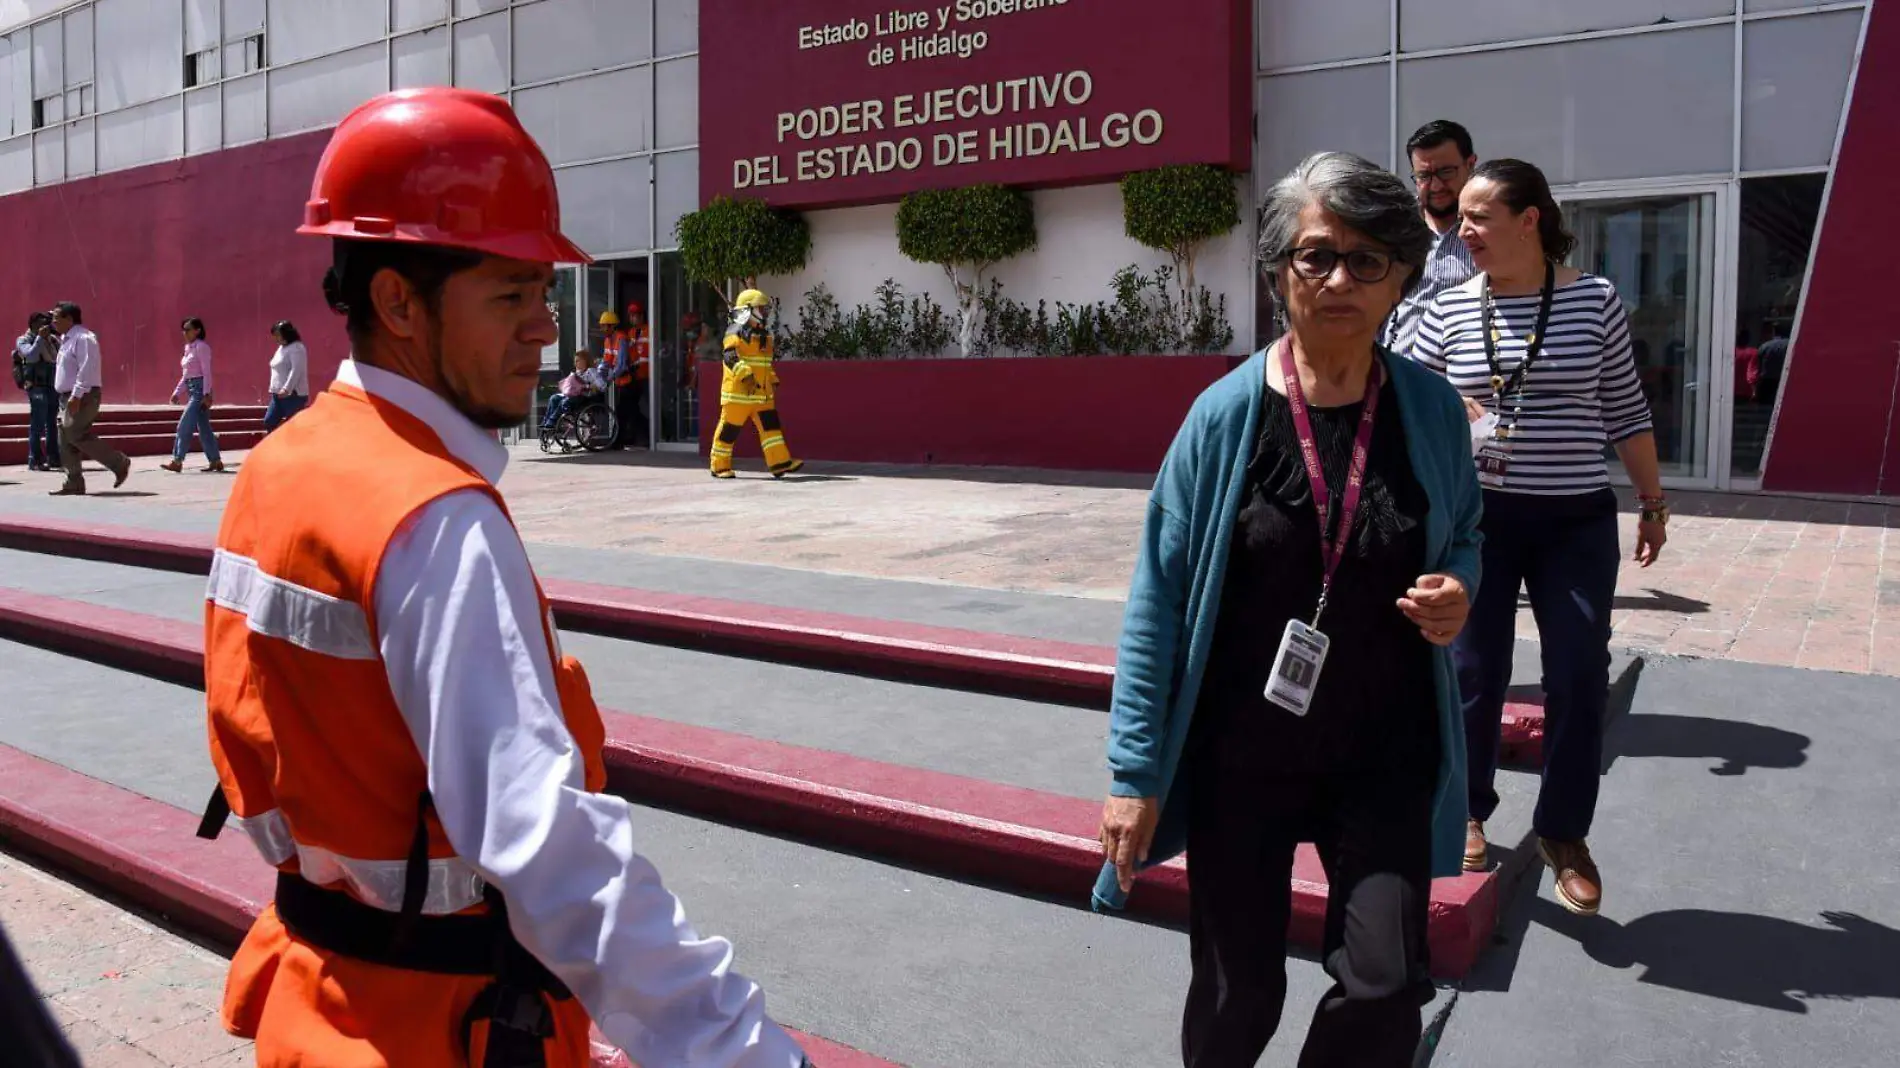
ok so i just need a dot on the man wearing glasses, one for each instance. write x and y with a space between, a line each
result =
1441 159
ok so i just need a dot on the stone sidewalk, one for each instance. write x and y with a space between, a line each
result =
1772 580
127 993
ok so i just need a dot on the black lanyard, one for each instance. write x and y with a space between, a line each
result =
1500 385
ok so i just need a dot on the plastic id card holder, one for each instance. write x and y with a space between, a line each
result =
1494 462
1296 667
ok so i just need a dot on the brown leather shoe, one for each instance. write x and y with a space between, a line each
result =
1477 851
68 491
216 467
124 472
173 466
1578 883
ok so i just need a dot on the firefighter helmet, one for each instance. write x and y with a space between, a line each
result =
752 298
439 166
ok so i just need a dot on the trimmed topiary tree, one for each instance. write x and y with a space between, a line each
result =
730 242
1176 210
966 232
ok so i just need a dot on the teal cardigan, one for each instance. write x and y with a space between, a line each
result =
1181 563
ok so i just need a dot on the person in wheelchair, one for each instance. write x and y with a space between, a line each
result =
585 381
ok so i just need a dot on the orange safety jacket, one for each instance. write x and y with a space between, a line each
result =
315 759
636 348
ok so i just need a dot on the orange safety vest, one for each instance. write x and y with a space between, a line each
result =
314 756
639 347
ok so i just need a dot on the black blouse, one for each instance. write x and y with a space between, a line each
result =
1375 706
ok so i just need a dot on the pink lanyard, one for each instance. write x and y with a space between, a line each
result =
1332 549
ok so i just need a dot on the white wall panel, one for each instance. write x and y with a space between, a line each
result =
1427 24
604 205
1081 244
1292 34
481 54
675 192
48 66
144 134
319 92
1299 114
204 120
141 51
202 25
1795 73
415 14
79 46
554 38
464 8
676 97
16 164
242 18
49 157
1667 110
592 117
20 46
306 30
678 27
1778 5
244 110
422 59
79 149
7 90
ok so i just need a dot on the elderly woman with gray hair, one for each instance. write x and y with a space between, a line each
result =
1310 551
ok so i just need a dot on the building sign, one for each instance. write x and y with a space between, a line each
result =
816 103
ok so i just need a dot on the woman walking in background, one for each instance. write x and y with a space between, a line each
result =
194 390
1319 501
1546 349
289 376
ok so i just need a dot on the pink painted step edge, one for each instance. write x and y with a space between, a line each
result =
1027 839
147 852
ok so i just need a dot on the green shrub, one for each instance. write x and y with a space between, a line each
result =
1177 210
966 232
730 242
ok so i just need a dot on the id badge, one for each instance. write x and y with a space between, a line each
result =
1494 461
1296 667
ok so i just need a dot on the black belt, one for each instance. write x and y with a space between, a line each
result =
444 945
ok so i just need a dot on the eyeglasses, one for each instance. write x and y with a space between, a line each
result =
1442 176
1318 264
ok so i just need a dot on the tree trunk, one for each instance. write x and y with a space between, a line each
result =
1184 276
966 310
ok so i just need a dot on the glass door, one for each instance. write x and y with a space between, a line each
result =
1661 251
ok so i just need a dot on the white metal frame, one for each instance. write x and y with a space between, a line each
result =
1719 241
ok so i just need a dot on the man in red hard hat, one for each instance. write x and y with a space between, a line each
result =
391 717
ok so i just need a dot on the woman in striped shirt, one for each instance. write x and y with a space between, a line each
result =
1542 355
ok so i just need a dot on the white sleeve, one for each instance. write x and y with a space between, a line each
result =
461 637
299 368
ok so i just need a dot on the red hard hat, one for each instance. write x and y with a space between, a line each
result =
635 308
449 167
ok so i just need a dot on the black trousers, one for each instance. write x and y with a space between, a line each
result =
1563 552
1373 833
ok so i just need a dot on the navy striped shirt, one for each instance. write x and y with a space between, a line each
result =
1581 395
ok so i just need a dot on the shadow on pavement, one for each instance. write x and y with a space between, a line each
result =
1753 960
834 469
1739 746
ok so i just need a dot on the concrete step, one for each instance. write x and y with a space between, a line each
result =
951 815
14 451
20 416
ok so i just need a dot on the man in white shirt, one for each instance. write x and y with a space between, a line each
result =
76 382
365 545
1441 157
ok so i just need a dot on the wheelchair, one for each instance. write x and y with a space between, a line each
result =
588 426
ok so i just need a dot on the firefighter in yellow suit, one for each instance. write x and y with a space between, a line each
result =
748 391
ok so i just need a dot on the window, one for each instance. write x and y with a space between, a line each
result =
201 68
244 55
49 110
1779 216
